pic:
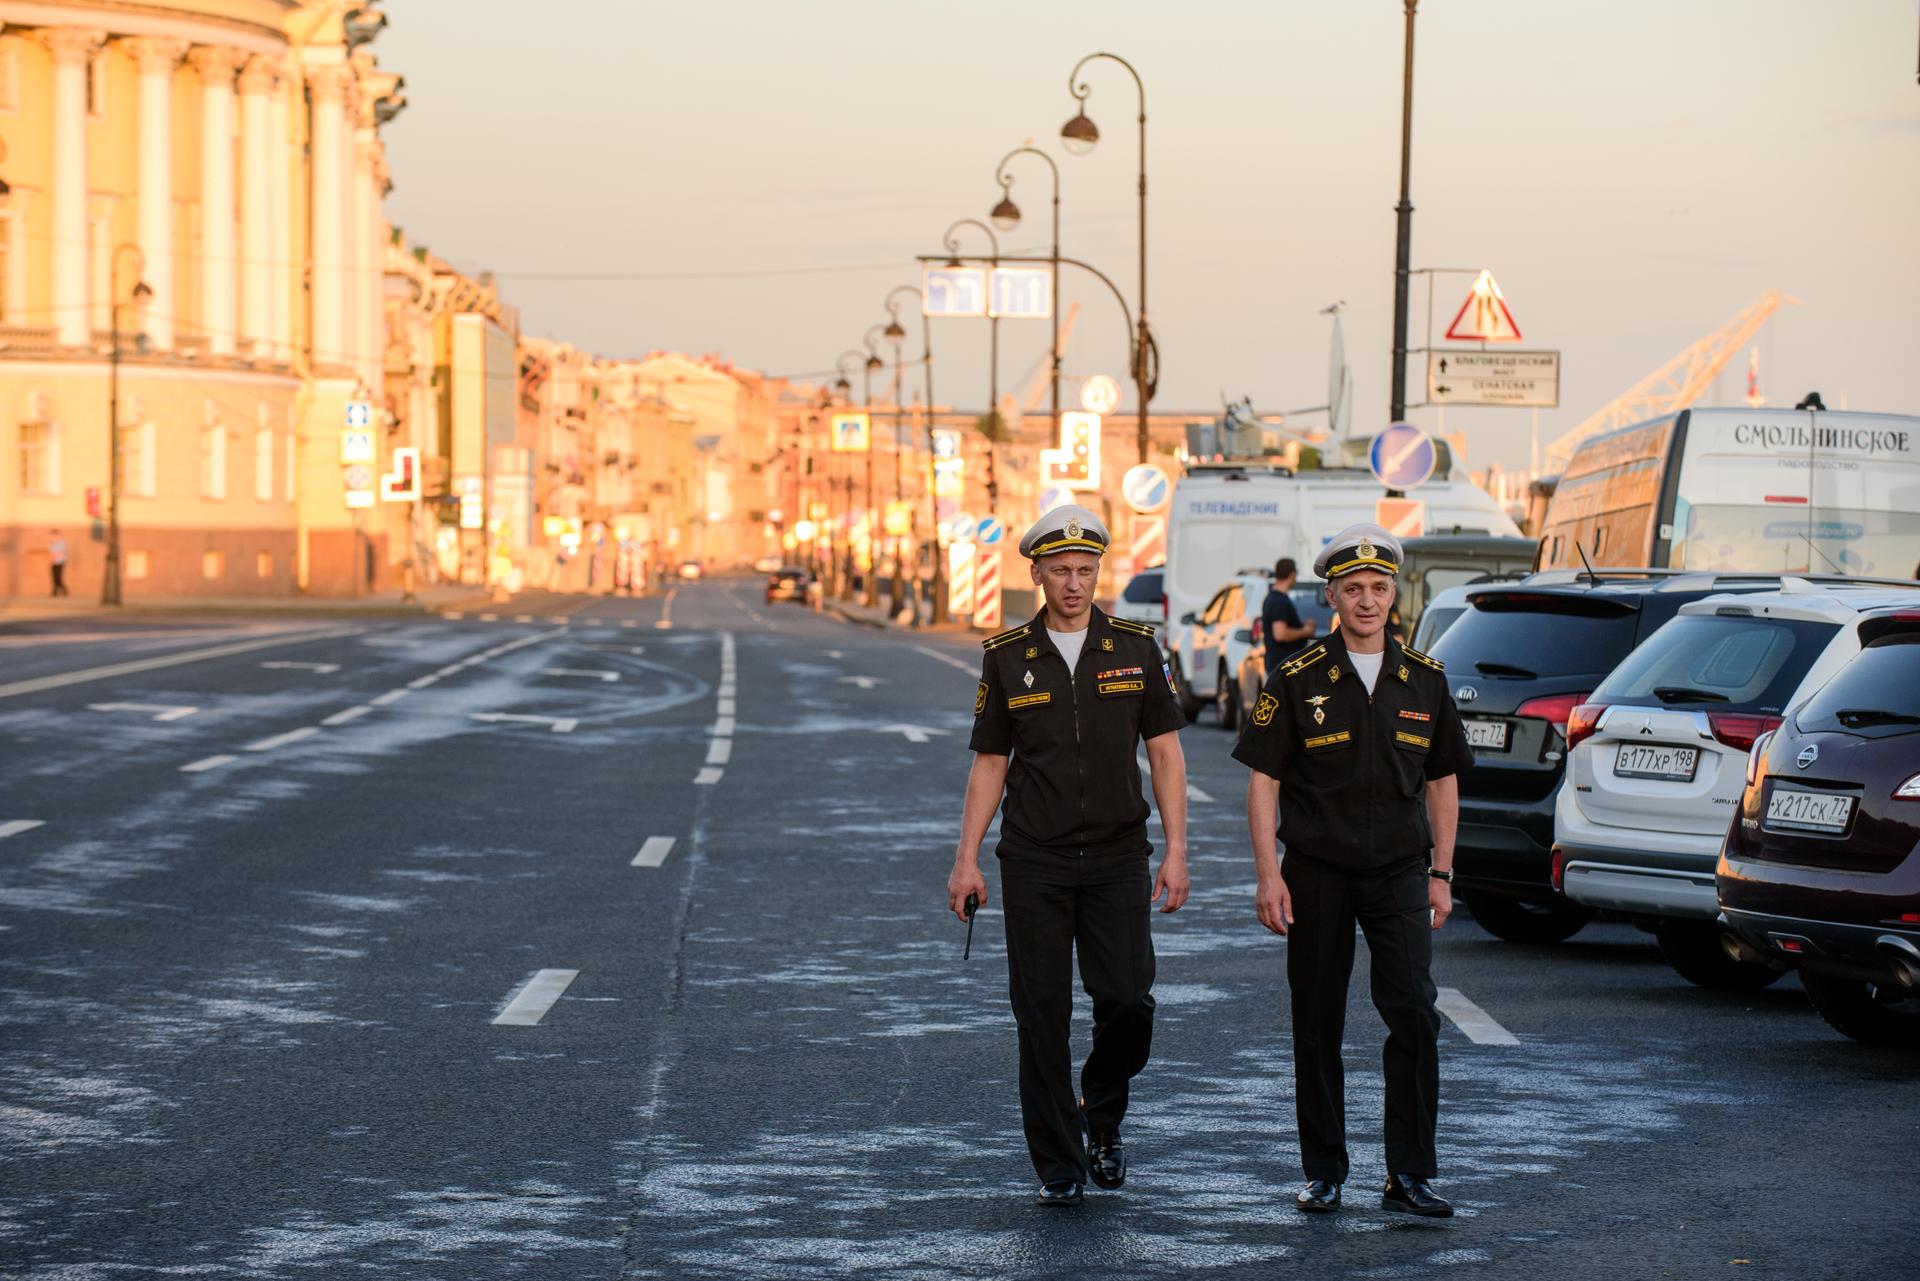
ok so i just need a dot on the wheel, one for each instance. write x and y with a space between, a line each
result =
1520 921
1693 948
1226 700
1867 1012
1182 692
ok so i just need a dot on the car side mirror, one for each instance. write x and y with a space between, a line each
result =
1244 636
1186 620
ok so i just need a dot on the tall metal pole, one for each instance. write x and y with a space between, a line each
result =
993 353
110 580
1403 249
869 581
1006 216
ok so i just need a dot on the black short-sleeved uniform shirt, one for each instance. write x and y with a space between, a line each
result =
1353 767
1073 786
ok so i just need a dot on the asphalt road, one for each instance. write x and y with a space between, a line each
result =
606 939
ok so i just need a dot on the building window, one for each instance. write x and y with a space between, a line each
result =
213 565
263 564
263 464
140 459
138 565
213 461
39 458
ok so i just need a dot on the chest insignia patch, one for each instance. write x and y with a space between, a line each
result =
980 699
1027 680
1106 643
1415 716
1033 651
1112 672
1403 673
1319 716
1264 709
1333 673
1031 700
1318 699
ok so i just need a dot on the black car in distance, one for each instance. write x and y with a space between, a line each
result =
789 582
1821 867
1519 660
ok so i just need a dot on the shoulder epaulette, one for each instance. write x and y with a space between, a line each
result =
1418 657
1131 625
994 642
1300 662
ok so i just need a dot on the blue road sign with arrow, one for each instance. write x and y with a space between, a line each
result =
1402 457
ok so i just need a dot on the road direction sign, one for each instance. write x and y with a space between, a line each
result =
1146 488
953 291
356 445
1100 395
402 484
1021 293
1484 317
991 531
1402 457
1521 379
359 413
850 433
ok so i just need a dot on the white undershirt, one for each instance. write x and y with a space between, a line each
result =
1070 644
1368 667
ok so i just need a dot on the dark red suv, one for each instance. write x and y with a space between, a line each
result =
1821 867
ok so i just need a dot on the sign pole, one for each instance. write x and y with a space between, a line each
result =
1403 250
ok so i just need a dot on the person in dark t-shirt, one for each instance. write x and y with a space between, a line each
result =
1280 625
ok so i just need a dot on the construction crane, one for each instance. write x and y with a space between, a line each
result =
1676 384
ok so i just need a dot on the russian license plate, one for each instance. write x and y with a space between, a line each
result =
1490 736
1656 760
1809 811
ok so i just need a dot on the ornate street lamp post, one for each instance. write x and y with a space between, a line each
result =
870 587
110 580
896 333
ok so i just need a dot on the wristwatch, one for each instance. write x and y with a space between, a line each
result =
1440 874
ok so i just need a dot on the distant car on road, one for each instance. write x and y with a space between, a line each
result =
1144 600
690 569
1821 867
1657 757
1205 649
788 582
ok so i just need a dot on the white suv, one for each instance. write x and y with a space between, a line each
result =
1657 757
1205 649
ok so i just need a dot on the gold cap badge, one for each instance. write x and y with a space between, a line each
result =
1366 551
1073 527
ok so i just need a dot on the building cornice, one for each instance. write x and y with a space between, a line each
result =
132 18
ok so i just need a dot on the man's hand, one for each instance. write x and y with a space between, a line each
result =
1440 899
1272 904
964 880
1171 880
1312 625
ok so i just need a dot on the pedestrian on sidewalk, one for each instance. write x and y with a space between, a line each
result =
1361 735
57 563
1063 703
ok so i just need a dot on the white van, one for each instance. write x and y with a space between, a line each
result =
1225 519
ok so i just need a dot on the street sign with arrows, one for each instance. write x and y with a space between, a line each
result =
1518 379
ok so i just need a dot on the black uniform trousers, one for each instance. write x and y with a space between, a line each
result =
1055 903
1391 909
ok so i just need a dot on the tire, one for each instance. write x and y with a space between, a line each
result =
1693 948
1226 701
1183 693
1519 921
1868 1013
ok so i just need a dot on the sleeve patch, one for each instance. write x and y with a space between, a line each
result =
1263 710
980 699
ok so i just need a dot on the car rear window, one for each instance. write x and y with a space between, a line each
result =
1435 623
1717 663
1879 687
1534 636
1143 589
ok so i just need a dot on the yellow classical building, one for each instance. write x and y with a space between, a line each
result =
191 226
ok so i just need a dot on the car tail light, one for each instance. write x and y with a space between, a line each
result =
1560 870
1582 721
1552 708
1755 754
1740 729
1909 790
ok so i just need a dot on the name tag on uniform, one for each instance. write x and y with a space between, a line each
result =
1412 740
1031 700
1122 687
1328 740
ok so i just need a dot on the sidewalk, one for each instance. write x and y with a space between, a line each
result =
876 616
427 600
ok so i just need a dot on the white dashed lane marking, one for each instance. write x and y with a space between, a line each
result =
13 827
160 711
708 777
536 996
719 751
948 659
206 763
318 669
654 852
166 660
1194 794
1479 1026
281 740
595 673
391 696
350 714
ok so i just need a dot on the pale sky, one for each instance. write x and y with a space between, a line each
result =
1633 172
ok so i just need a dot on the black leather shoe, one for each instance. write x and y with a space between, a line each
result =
1318 1197
1412 1194
1060 1192
1107 1158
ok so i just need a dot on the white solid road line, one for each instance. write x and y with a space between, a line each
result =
708 777
391 696
596 673
719 751
39 683
13 827
654 852
948 659
206 763
350 714
319 669
161 712
535 997
1479 1025
281 740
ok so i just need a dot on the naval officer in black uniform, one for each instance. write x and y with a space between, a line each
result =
1063 703
1361 735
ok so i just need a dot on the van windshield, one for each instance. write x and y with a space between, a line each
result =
1789 539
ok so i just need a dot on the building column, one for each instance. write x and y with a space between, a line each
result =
72 49
280 219
371 262
156 58
259 256
328 86
218 250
